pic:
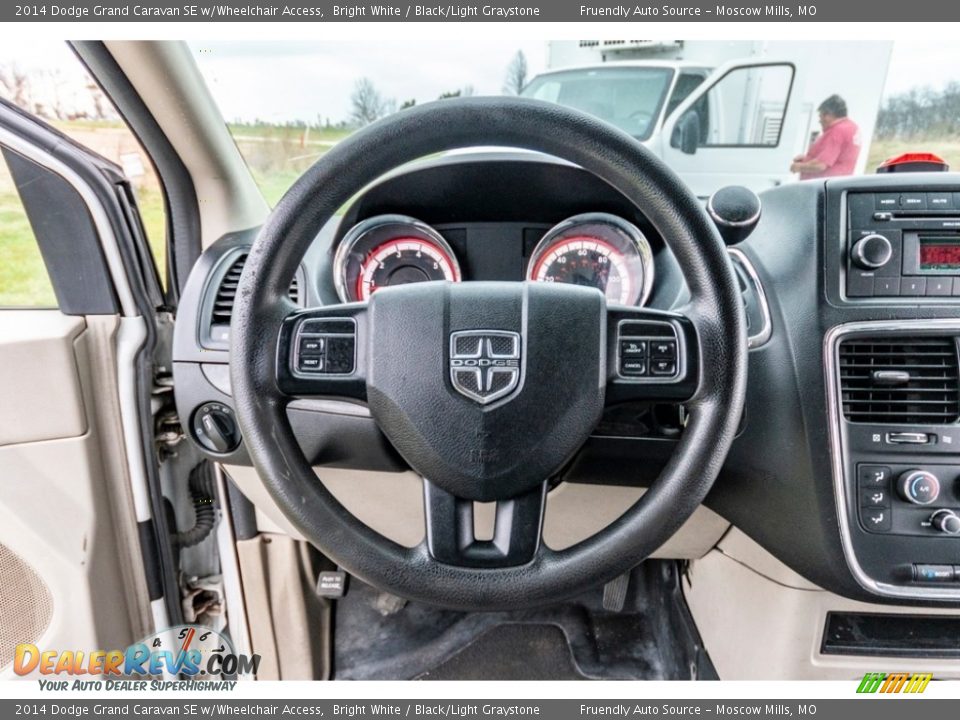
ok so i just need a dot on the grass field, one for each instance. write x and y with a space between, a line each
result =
276 155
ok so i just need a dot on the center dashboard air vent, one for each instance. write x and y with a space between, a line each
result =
221 310
906 380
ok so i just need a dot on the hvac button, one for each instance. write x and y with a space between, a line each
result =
873 476
876 519
875 498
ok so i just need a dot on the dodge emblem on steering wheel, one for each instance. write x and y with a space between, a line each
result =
485 364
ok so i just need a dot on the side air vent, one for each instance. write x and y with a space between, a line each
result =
903 380
222 309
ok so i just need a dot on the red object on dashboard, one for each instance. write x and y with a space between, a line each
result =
914 162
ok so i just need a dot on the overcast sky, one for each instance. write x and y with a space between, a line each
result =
280 81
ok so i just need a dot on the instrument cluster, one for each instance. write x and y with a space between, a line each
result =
598 250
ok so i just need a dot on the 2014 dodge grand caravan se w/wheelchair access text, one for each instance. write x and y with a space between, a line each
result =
488 393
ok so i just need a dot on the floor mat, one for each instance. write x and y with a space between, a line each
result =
524 652
378 638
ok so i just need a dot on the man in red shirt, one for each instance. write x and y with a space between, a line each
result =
835 152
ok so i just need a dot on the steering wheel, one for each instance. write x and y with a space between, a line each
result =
487 389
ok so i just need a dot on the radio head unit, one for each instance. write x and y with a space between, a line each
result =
903 245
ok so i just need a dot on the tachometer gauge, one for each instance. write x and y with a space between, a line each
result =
391 250
597 250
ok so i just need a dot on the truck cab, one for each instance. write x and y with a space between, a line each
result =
738 120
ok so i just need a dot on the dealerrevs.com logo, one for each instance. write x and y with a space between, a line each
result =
894 682
193 652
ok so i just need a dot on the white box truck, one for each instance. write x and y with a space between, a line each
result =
718 113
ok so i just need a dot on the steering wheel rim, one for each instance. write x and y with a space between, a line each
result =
715 311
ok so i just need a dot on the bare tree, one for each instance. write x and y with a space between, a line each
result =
15 86
368 105
516 78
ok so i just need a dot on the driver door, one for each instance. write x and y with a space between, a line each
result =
80 567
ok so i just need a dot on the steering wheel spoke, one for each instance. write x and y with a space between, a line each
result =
652 355
321 352
451 538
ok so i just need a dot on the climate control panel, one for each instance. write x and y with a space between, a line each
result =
909 500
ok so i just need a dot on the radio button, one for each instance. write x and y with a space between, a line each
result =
886 286
940 201
888 202
913 201
859 284
871 252
913 287
939 286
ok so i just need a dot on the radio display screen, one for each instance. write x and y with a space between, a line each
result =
940 254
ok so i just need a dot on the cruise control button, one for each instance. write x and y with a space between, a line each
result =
933 573
663 367
876 519
873 476
634 367
633 348
663 349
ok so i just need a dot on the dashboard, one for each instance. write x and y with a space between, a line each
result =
851 289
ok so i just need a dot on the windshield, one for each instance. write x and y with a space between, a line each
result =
627 97
718 113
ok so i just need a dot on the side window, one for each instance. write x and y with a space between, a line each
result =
687 82
748 106
24 282
47 80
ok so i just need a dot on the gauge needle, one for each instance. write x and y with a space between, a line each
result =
185 646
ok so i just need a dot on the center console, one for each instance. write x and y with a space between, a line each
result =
893 389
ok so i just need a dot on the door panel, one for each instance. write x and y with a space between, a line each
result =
68 568
39 382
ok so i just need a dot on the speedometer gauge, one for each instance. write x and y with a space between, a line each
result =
597 250
391 250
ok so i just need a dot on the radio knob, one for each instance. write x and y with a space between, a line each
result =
946 521
871 252
919 487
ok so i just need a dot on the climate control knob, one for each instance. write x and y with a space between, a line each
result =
871 252
946 521
919 487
